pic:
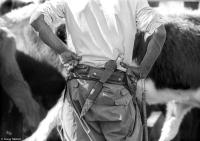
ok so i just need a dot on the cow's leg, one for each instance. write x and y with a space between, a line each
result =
175 114
12 81
48 123
60 115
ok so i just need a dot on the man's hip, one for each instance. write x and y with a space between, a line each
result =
114 114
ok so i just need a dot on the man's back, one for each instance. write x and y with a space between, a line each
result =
103 30
100 30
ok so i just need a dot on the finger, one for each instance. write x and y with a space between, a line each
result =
61 59
75 63
65 59
68 67
76 57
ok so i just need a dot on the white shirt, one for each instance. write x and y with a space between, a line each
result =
102 30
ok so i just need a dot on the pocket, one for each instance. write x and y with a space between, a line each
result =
125 99
80 89
73 84
111 104
113 95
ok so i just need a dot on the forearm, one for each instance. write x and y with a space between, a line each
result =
153 51
46 34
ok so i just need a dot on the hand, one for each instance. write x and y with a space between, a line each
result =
69 58
132 70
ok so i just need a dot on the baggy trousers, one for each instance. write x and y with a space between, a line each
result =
114 116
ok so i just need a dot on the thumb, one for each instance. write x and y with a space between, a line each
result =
76 57
124 65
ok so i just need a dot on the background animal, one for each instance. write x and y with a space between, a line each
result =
174 77
25 83
9 5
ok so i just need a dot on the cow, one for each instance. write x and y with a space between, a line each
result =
28 88
38 67
174 77
27 39
12 81
188 131
9 5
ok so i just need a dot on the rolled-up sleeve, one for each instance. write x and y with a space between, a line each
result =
147 18
53 10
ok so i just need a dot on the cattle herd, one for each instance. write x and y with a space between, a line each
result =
32 78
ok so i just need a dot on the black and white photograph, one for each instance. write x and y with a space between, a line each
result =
100 70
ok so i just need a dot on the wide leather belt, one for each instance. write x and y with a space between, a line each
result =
92 73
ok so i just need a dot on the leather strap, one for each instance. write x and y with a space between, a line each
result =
110 67
91 73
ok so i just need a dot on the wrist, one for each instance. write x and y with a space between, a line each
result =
62 49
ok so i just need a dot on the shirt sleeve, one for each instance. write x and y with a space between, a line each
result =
53 10
147 19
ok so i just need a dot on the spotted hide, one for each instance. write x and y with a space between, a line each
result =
28 89
8 5
174 78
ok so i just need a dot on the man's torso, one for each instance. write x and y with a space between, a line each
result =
101 30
